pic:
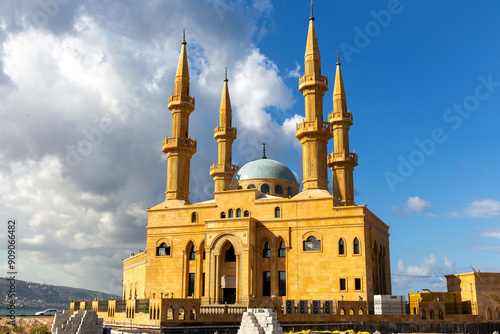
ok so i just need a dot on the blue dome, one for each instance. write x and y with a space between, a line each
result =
263 169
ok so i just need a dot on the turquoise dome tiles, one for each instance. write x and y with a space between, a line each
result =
263 169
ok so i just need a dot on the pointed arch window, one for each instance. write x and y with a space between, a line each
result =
341 247
246 213
229 255
230 213
278 190
265 188
238 213
266 251
282 249
356 246
192 253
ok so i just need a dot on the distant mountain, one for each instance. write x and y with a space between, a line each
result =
30 295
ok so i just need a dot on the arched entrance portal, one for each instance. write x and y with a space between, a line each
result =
227 273
226 254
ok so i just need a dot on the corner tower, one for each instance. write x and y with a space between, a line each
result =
313 133
341 161
180 147
225 134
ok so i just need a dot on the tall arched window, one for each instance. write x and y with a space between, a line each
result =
194 217
230 213
265 188
246 213
277 212
266 251
282 249
223 215
278 190
238 213
356 246
192 253
290 191
341 247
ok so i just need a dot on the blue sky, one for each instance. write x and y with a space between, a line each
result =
422 81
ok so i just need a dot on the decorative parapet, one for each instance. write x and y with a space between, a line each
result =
342 157
221 168
156 313
179 143
181 99
312 79
336 117
220 131
313 127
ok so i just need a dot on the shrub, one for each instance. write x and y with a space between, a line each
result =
39 330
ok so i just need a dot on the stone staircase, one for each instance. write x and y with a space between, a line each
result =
82 322
259 321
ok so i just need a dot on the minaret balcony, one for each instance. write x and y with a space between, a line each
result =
342 158
338 117
223 168
181 100
313 127
313 80
170 144
220 131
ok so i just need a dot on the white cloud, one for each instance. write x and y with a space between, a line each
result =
482 208
257 86
81 215
263 6
414 205
495 234
295 73
428 274
289 126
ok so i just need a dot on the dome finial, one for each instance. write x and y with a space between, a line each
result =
264 151
184 36
311 17
338 57
225 74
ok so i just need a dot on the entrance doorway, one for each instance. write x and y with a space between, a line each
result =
229 295
227 274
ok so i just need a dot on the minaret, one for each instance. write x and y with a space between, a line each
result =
225 134
180 147
313 133
341 161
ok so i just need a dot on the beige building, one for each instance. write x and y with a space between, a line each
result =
260 238
480 293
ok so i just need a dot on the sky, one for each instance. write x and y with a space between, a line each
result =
84 87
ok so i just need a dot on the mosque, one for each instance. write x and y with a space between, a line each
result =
260 238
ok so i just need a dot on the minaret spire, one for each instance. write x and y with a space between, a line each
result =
180 147
225 134
341 161
313 133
